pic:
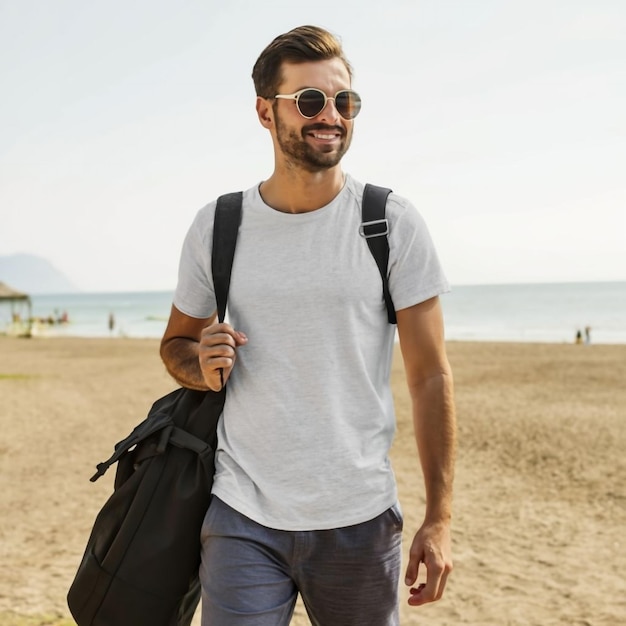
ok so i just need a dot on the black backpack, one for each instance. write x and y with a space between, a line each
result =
140 566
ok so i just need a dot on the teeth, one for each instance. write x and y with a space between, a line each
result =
319 136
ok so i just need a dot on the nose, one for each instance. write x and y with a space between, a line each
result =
329 112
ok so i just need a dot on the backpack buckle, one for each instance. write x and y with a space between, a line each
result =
375 228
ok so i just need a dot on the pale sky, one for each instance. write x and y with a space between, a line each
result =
502 121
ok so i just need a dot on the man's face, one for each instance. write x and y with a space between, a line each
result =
319 143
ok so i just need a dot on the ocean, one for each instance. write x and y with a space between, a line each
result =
548 313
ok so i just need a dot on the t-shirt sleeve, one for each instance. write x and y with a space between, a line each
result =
415 272
195 294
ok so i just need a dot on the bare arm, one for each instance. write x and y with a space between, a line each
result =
429 379
194 350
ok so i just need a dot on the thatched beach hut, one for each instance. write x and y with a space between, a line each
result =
17 300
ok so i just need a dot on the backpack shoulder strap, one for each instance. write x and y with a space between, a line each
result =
375 228
225 231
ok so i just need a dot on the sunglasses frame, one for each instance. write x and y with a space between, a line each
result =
296 96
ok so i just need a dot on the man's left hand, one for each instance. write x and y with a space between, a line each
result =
431 546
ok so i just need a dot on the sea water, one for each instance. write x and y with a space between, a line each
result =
550 313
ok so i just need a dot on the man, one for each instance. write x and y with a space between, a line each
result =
304 498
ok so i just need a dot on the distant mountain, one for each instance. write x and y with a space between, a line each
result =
33 275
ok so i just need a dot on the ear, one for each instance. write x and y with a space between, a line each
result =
265 112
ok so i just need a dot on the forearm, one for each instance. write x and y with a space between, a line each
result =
434 422
429 379
180 356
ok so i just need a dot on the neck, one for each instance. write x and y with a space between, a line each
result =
297 191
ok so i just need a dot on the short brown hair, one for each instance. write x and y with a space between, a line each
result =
305 43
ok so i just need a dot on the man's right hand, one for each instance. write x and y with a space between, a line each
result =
218 351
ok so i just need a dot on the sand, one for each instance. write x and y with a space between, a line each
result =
540 505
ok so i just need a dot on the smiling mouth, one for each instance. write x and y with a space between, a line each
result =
325 137
325 133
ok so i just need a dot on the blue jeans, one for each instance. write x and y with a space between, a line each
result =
251 575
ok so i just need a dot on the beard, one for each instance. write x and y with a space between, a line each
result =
298 152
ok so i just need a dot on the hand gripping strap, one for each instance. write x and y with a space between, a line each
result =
225 229
375 229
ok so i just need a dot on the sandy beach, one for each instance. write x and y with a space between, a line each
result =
540 505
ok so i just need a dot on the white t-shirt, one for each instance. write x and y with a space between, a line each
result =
309 418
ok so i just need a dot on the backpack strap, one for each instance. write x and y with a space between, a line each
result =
375 228
225 230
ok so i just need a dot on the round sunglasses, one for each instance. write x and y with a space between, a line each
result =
311 102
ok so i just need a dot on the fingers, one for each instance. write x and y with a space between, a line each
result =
223 333
432 590
217 353
412 570
432 548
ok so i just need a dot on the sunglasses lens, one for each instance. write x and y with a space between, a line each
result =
348 104
311 102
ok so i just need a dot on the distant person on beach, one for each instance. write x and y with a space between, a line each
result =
111 322
579 337
304 498
587 335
